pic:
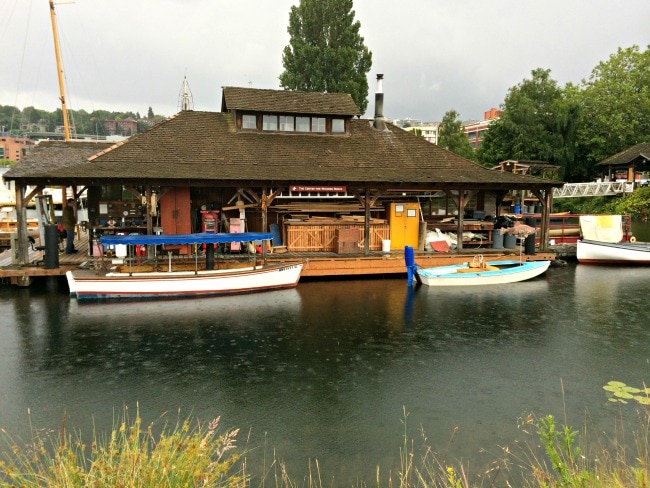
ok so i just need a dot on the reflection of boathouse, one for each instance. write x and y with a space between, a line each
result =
300 164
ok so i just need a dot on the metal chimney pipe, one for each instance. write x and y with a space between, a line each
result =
380 123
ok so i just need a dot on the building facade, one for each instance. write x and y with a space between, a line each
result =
475 130
14 148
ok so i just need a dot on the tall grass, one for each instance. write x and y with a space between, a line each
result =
191 454
130 456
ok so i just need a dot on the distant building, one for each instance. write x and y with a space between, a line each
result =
407 122
14 148
475 130
428 130
125 127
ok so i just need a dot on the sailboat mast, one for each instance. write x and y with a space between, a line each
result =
59 69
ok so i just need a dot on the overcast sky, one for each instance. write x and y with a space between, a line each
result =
436 55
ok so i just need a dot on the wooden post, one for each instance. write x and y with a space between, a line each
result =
21 226
147 199
366 223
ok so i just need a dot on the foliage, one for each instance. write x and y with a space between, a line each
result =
636 204
561 450
326 53
537 123
181 455
575 126
452 137
131 456
615 103
619 392
584 205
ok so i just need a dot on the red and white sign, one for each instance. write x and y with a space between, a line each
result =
320 189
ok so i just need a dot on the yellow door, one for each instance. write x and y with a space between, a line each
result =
404 221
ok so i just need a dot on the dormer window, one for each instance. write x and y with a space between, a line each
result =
249 122
302 124
269 122
318 124
286 123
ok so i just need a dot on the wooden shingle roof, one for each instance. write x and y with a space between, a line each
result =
203 147
48 157
284 101
638 152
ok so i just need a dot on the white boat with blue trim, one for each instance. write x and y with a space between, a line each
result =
162 280
477 272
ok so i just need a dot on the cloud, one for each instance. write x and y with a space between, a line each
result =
435 55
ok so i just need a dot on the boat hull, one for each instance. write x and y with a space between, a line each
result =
86 286
507 272
588 251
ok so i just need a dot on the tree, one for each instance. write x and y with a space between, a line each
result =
537 123
325 51
616 105
452 137
150 113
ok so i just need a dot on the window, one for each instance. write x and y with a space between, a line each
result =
269 122
318 124
249 122
286 123
302 124
338 126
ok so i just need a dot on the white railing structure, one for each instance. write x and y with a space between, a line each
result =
593 189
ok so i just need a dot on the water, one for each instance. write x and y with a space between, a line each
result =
327 370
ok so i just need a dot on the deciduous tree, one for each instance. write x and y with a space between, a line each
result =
616 105
536 123
452 137
326 53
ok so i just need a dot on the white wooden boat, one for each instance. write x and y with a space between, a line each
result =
478 272
589 251
603 242
491 273
131 283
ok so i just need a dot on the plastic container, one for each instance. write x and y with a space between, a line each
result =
497 239
385 245
517 209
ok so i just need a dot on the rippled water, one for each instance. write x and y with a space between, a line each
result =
326 370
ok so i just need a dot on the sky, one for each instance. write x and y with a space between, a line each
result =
435 55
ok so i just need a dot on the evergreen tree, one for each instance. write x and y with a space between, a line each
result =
452 137
150 113
325 51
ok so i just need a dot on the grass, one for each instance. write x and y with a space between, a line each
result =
191 454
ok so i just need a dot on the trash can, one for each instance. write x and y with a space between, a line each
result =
51 258
529 242
385 245
509 241
497 239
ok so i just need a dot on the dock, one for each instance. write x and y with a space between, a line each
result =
316 264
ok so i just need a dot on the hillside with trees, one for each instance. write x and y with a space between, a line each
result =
30 119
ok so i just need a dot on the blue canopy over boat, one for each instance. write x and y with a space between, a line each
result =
199 238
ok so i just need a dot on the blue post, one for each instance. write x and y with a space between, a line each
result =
411 267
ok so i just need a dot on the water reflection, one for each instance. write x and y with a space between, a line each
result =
325 370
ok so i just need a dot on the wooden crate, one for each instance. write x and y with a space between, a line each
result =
322 238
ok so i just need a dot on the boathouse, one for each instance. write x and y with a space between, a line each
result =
303 165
